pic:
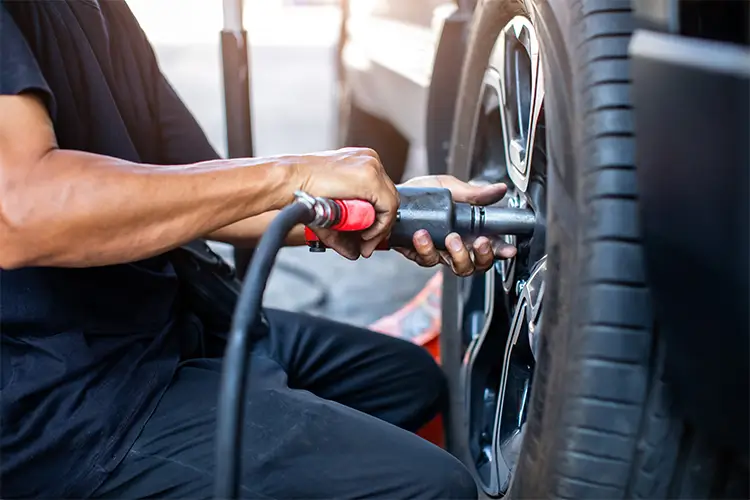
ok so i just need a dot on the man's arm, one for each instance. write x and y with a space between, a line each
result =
246 233
69 208
183 140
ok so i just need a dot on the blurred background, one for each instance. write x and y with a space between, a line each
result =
296 108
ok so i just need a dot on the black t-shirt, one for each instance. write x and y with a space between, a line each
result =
87 353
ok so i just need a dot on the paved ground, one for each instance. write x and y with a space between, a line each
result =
294 102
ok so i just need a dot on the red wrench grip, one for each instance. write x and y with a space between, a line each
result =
355 215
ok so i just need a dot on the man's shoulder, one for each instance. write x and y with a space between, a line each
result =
19 68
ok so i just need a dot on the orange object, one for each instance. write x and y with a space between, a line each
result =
434 432
419 322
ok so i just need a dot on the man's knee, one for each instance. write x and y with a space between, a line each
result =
448 478
435 381
427 384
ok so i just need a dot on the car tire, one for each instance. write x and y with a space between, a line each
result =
602 422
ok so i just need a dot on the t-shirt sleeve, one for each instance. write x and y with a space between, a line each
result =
19 70
182 138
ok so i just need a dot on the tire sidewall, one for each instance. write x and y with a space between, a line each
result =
488 19
536 462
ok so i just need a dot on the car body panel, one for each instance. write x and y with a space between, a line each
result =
388 58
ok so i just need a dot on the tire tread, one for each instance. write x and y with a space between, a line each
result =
614 330
612 182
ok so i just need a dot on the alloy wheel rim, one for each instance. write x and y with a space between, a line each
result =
506 326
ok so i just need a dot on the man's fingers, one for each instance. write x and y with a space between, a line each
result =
367 248
384 197
346 245
483 256
502 250
462 263
481 195
468 193
425 249
378 227
408 253
412 255
385 215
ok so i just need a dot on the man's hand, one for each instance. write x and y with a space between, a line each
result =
356 173
464 257
351 173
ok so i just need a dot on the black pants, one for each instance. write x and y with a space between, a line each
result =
329 414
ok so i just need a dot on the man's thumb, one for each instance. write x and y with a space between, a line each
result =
479 195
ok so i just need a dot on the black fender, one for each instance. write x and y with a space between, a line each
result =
692 112
443 91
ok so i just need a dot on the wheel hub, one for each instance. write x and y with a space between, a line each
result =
506 268
502 328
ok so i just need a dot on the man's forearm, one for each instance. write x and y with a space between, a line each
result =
77 209
246 233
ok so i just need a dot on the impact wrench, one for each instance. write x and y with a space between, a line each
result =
430 209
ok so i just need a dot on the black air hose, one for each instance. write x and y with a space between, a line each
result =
230 411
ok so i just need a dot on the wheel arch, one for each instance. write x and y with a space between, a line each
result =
443 91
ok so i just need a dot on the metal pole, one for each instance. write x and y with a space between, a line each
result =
237 77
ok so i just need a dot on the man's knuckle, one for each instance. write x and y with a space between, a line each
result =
366 175
393 204
424 251
376 167
373 167
433 258
464 265
370 152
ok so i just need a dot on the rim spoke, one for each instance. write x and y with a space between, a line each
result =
537 101
516 75
518 367
501 330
